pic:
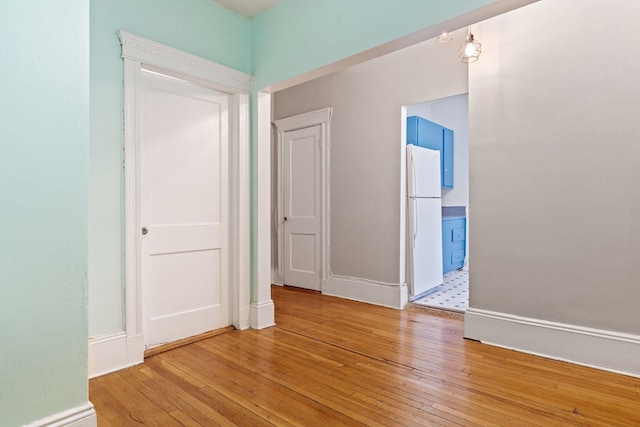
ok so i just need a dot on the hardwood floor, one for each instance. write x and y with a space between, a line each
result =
332 362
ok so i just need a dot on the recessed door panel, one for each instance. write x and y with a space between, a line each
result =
302 253
303 158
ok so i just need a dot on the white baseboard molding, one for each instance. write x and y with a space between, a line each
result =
244 318
607 350
114 352
394 295
80 416
262 314
276 279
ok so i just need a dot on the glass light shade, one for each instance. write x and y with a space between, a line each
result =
444 37
470 50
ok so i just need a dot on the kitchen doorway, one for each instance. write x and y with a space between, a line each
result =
453 294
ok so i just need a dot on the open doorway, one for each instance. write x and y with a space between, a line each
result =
452 115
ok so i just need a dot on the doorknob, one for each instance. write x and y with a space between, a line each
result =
285 218
145 230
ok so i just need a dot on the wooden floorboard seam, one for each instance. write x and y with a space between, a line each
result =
333 362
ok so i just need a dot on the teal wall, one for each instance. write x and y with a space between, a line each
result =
44 143
296 36
200 27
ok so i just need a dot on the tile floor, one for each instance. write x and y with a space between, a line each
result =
453 295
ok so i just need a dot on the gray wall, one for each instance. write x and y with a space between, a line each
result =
555 164
554 160
366 147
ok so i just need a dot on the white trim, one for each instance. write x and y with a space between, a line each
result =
607 350
276 278
80 416
262 309
325 201
133 315
402 261
394 295
321 117
304 120
278 215
241 208
137 51
263 314
114 352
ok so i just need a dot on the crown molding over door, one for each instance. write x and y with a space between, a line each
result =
145 51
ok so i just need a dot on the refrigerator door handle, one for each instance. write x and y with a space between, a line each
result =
415 221
413 176
412 195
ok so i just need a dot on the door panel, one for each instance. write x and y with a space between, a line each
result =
302 165
195 268
302 258
302 210
426 241
184 206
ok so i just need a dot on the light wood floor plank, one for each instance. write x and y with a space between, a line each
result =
330 391
332 362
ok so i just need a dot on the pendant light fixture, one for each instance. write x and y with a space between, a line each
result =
470 49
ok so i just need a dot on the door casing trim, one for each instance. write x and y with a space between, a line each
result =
136 52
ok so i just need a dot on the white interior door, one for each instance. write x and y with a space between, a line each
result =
302 176
183 208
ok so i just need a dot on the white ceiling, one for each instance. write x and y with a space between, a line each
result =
248 8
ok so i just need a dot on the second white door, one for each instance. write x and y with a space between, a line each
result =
183 208
302 245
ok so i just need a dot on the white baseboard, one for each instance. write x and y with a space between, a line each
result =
276 279
394 295
262 314
607 350
114 352
244 318
80 416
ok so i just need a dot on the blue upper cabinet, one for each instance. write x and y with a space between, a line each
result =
446 153
427 134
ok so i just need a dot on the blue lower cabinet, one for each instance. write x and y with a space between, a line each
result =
454 240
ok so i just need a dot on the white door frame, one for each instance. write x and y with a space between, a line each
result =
320 117
137 51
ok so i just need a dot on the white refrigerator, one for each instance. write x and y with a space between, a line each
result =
424 221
